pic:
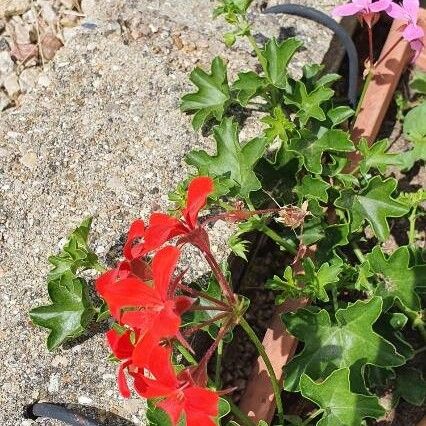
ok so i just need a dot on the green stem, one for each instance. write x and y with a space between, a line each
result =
420 350
242 418
274 381
412 230
312 416
283 242
364 91
416 320
358 252
218 367
334 296
186 354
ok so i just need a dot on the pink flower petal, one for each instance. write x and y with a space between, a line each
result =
413 32
379 6
412 9
396 11
347 9
417 46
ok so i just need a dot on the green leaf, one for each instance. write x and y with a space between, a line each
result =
277 56
248 85
308 104
210 101
331 346
231 157
410 385
279 125
287 286
230 8
75 254
396 280
415 132
156 416
334 236
312 187
377 157
340 114
373 204
224 409
418 82
340 405
238 246
70 312
412 199
317 281
312 149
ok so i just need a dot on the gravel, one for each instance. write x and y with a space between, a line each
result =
100 135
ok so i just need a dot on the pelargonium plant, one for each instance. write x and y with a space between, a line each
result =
363 331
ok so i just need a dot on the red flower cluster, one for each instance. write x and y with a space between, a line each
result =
142 299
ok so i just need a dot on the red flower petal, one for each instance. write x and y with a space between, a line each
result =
141 269
144 349
141 320
173 406
161 228
120 344
136 231
201 400
198 191
182 304
163 265
129 292
123 387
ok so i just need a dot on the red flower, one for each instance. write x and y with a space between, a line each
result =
122 347
151 310
180 395
162 227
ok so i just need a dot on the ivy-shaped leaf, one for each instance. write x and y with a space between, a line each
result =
312 188
308 104
374 204
211 99
340 405
75 254
247 86
311 149
418 82
317 281
277 56
415 132
340 114
396 279
70 312
231 157
332 346
377 157
410 385
334 236
279 125
287 286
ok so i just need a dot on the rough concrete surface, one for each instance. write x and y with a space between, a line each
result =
102 135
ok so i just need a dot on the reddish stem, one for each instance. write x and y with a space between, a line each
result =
215 344
221 279
201 294
209 308
370 45
192 330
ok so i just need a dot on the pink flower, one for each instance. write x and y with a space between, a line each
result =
409 12
365 8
